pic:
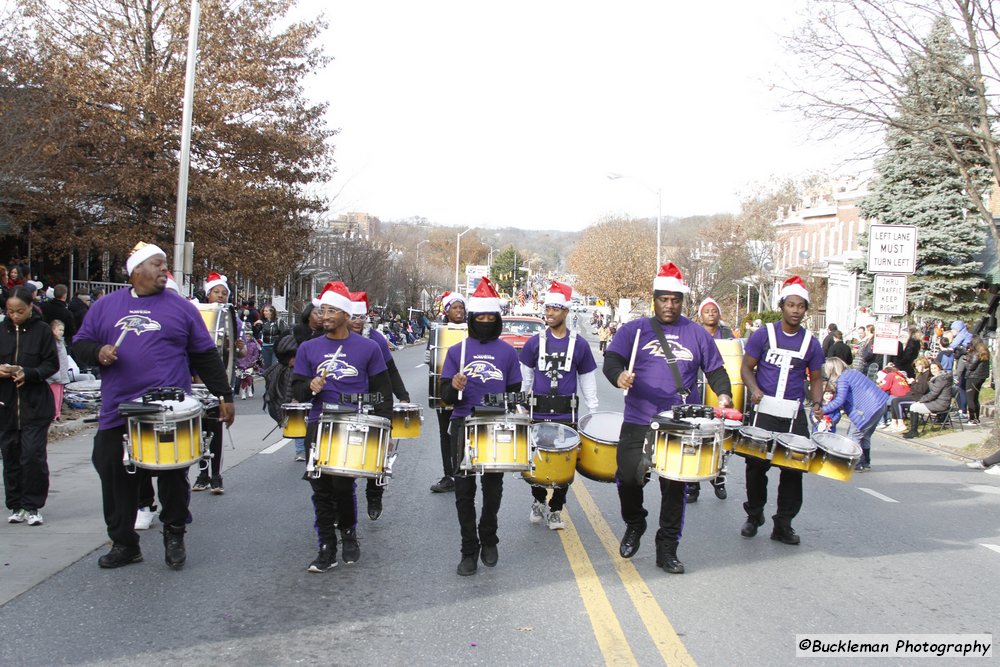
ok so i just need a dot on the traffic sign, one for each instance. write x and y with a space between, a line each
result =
892 249
886 338
889 295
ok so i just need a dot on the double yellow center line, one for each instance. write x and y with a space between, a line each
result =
607 629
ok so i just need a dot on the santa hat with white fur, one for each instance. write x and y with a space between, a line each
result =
359 304
337 295
669 279
172 284
214 280
449 298
485 299
140 253
559 295
709 301
793 287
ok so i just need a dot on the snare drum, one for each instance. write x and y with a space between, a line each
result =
836 456
406 420
497 444
754 442
168 439
792 451
293 423
687 449
556 448
599 433
352 445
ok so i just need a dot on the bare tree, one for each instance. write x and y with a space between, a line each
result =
614 260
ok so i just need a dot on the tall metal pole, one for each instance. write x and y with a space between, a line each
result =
659 216
458 246
182 183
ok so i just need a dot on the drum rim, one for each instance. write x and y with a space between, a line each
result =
70 387
552 448
179 414
781 437
587 418
296 407
516 419
746 432
406 407
354 417
818 438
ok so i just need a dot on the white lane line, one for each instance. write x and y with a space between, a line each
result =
420 365
992 547
877 495
276 446
982 488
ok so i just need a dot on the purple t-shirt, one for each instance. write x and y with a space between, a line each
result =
555 351
383 344
654 390
767 368
162 329
489 367
348 363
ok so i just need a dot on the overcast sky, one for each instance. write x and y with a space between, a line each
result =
512 114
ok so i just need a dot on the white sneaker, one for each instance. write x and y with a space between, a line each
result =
144 518
975 465
34 518
555 521
993 470
18 516
537 512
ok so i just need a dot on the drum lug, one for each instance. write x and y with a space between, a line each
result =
127 456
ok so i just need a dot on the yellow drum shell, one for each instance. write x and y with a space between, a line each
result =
599 433
753 442
835 457
732 359
692 456
557 448
791 451
406 420
497 444
441 338
167 440
294 423
352 445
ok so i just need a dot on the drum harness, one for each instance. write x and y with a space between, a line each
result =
777 405
552 402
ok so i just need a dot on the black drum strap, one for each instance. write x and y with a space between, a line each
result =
672 362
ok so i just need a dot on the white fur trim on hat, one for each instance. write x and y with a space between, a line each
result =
793 287
485 299
214 280
709 301
451 297
337 295
559 295
669 279
359 303
140 253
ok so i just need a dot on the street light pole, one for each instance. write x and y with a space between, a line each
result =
186 122
458 247
659 210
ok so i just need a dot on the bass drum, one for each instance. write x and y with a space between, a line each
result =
557 448
599 433
220 320
732 358
442 337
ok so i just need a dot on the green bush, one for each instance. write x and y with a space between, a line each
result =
764 316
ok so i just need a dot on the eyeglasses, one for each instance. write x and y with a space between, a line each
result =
326 311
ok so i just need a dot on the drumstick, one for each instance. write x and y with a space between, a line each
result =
120 339
635 349
461 365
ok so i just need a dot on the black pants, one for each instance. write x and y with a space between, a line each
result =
630 494
333 500
447 458
465 498
972 388
214 426
120 490
789 482
25 467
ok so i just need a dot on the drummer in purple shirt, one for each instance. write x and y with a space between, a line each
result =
552 372
482 364
635 361
359 325
775 361
170 339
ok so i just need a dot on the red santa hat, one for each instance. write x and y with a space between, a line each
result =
449 298
140 253
485 299
559 295
359 303
335 294
214 280
793 287
709 301
669 279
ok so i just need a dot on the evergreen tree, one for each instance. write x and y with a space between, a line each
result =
918 185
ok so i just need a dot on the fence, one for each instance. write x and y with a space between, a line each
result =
93 286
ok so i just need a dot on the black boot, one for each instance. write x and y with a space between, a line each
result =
666 557
173 546
783 532
630 542
754 521
691 492
719 485
914 425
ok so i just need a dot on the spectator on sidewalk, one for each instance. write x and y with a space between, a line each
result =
896 385
977 369
56 309
79 305
899 407
937 399
839 349
828 340
60 379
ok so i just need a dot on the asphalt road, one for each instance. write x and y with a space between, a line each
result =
911 547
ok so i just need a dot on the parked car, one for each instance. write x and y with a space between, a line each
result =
517 330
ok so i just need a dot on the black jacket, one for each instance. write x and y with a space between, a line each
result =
79 310
976 369
938 396
271 331
33 347
54 309
840 350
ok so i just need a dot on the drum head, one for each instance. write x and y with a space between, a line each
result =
732 424
406 407
84 385
794 442
176 410
552 437
296 407
756 434
602 426
836 444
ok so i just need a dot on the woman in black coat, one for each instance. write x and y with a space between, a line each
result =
937 399
28 356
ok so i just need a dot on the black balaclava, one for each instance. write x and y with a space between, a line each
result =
485 331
